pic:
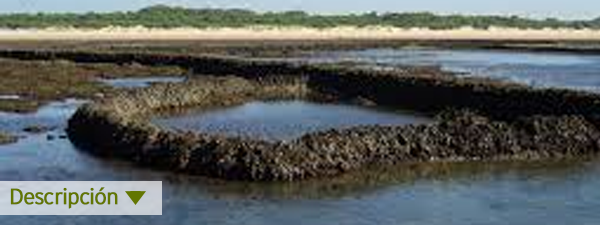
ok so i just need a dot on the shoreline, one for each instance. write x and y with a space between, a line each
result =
297 33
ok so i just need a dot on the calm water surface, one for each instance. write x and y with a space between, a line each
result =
284 120
138 82
557 192
53 115
477 193
564 70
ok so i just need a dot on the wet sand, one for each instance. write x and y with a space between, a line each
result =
297 33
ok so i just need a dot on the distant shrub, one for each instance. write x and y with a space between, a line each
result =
161 16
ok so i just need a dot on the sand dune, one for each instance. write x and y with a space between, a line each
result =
294 33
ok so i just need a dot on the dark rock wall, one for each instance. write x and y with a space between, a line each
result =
112 128
511 121
422 89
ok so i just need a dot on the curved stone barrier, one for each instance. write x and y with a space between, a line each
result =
420 88
527 124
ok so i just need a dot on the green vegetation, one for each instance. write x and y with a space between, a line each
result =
38 82
161 16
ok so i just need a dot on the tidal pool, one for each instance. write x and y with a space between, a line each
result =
53 115
283 120
138 82
539 69
551 192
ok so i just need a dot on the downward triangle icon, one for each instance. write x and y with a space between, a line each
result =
135 196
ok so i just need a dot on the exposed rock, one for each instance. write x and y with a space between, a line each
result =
526 124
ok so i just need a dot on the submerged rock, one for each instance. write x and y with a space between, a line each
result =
6 138
37 129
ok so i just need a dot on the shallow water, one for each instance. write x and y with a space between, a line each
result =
53 115
283 120
138 82
541 69
556 192
561 192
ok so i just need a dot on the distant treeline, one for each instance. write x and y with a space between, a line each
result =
161 16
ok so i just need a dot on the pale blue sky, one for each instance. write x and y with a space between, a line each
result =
570 9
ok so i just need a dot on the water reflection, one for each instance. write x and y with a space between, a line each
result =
52 115
379 178
283 120
445 193
548 192
139 82
537 69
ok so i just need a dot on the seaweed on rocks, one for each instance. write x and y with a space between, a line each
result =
501 122
424 89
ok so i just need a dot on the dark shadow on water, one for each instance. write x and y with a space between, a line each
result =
379 178
361 183
474 191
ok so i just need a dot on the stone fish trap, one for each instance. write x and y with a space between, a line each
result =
515 122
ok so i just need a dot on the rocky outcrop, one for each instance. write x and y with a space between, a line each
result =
424 89
526 124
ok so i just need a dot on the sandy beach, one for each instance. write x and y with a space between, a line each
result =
296 33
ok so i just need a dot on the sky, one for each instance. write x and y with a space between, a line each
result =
565 9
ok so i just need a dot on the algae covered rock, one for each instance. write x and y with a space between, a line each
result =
496 121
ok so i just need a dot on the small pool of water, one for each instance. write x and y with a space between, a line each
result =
139 82
283 120
52 115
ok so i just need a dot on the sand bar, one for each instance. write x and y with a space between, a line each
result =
296 33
